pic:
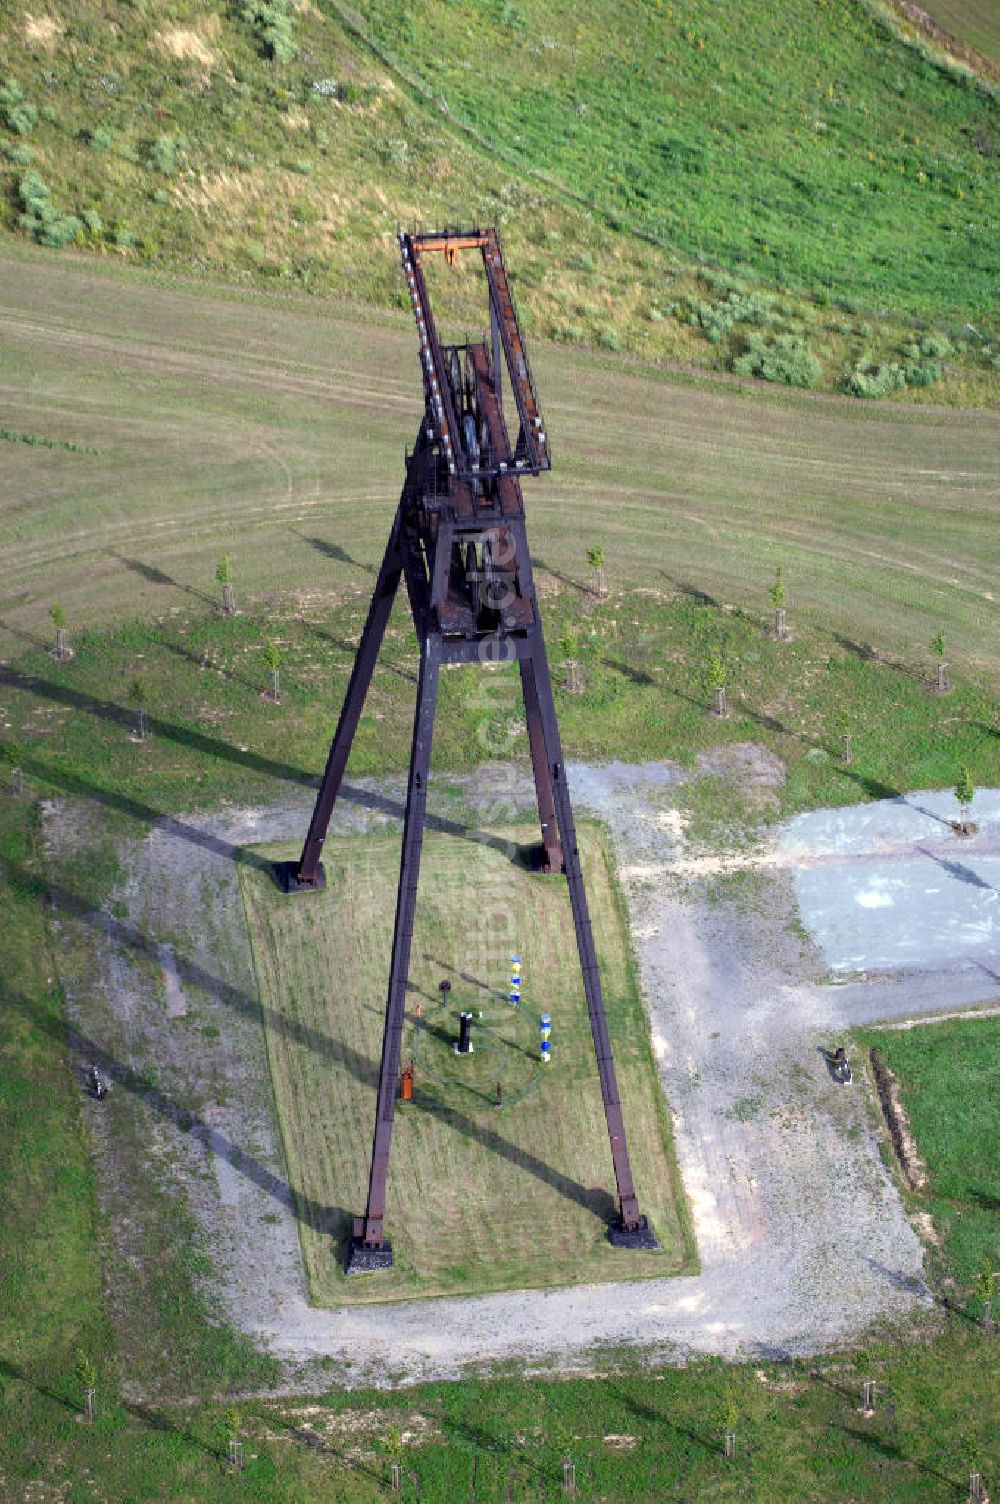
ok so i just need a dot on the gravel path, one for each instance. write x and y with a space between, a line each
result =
802 1237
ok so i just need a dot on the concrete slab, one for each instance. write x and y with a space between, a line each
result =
891 885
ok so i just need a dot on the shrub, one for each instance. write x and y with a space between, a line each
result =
717 319
870 380
100 138
164 155
92 221
41 219
272 27
922 373
20 116
787 358
18 153
937 346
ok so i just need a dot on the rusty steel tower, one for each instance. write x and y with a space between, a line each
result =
459 543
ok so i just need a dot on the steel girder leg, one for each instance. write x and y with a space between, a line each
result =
553 861
306 873
634 1230
370 1250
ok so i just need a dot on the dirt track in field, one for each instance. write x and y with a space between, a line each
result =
802 1236
230 420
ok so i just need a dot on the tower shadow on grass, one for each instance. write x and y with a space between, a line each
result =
206 746
335 1052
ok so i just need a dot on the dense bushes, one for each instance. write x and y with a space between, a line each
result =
272 26
41 219
20 116
738 307
786 358
871 380
922 368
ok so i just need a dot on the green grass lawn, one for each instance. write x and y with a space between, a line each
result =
949 1074
480 1198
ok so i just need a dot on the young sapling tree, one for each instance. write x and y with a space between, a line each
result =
58 615
941 681
987 1285
965 792
12 753
715 673
224 577
272 658
138 697
777 593
569 646
595 558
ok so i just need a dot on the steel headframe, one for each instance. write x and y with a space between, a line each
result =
459 543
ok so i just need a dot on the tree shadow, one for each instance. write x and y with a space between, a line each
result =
863 651
890 1452
922 809
317 1443
911 1284
157 576
958 870
332 551
151 1418
647 1412
203 667
350 650
691 592
985 1199
637 676
25 635
565 579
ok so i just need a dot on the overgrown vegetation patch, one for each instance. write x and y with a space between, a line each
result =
947 1076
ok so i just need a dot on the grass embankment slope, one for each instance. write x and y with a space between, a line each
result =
473 1204
640 157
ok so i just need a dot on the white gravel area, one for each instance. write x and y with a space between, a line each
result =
801 1234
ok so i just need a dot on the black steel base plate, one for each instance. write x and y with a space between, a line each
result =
286 875
364 1258
536 859
643 1236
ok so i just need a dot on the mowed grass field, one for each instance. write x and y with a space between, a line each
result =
274 428
479 1198
976 22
